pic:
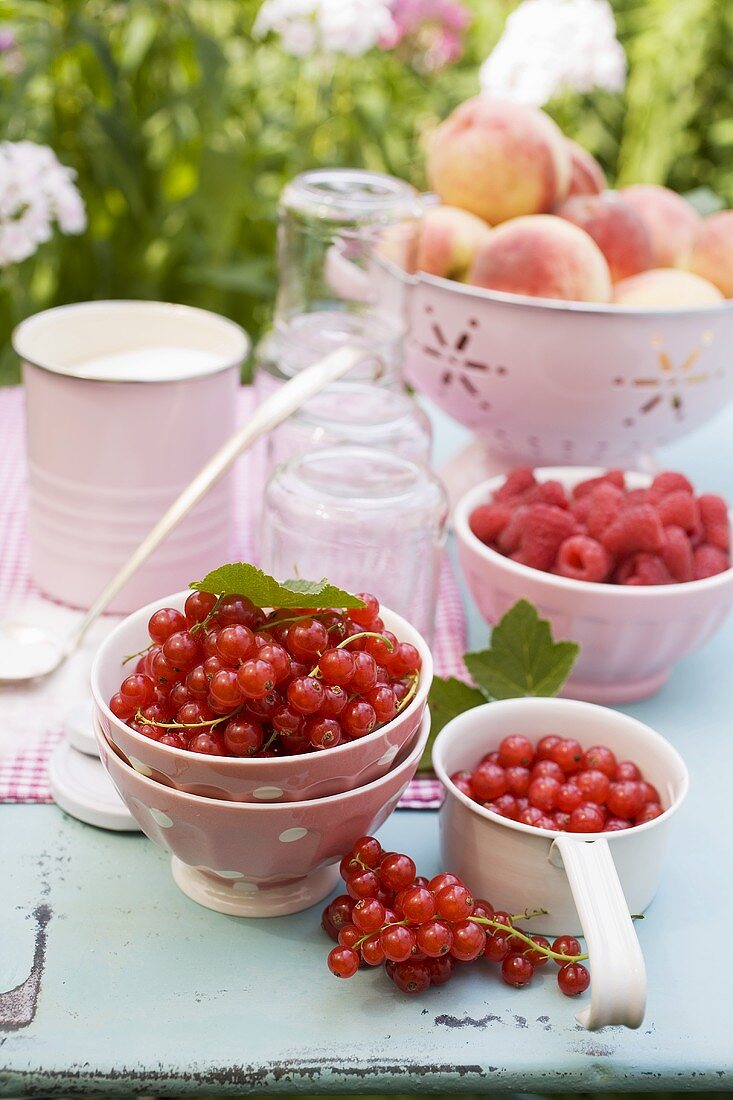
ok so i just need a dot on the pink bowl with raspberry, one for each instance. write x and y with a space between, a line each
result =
259 860
251 779
630 637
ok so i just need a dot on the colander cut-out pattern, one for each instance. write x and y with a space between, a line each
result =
670 382
460 368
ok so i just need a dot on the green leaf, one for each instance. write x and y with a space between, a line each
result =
243 579
448 698
523 658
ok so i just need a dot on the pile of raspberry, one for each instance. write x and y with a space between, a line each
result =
603 531
559 785
225 678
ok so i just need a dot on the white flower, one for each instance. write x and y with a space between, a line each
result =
549 46
350 27
36 191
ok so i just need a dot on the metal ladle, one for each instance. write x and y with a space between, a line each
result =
28 651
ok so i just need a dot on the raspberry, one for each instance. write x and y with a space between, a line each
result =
545 529
612 477
636 496
581 507
679 509
637 528
606 502
648 569
509 539
668 482
488 520
518 481
583 559
547 492
677 554
708 561
714 520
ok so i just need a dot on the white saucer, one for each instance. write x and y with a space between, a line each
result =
78 728
81 787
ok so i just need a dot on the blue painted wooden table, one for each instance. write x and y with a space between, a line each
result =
125 985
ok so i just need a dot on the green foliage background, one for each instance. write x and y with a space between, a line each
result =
183 130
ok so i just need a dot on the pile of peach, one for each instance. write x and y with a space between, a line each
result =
524 211
604 532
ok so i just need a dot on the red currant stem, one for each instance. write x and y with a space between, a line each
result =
292 619
139 717
132 656
410 694
364 634
515 933
205 622
315 671
368 935
529 913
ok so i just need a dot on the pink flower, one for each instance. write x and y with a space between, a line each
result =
429 32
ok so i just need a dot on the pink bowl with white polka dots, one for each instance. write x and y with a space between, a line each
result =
259 860
252 779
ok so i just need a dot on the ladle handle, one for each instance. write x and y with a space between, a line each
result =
273 410
618 986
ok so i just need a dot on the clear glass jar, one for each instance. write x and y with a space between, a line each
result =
354 413
335 226
346 239
367 520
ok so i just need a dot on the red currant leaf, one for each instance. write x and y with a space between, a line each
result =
243 579
448 698
523 658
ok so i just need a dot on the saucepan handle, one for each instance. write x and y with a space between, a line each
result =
618 974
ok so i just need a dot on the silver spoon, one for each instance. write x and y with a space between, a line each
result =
27 651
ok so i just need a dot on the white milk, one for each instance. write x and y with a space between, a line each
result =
154 364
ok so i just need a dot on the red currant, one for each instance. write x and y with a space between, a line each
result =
545 747
305 694
256 678
210 744
412 976
334 701
516 751
587 818
382 698
358 718
573 978
627 772
445 878
372 951
404 659
469 940
364 676
364 616
323 733
594 785
397 942
198 606
549 769
368 915
569 797
600 759
364 884
122 707
441 970
368 851
418 904
517 780
568 753
225 689
239 610
434 938
337 666
243 737
497 946
625 798
536 957
517 970
138 689
565 945
343 962
164 622
543 792
307 639
235 643
397 871
488 782
454 903
648 813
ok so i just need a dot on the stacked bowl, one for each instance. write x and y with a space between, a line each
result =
256 836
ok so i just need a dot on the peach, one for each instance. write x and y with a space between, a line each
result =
666 287
586 174
498 160
669 219
711 255
545 257
449 240
617 230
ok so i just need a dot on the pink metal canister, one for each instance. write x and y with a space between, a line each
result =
126 401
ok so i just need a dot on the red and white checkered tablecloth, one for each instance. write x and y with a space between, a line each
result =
23 771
